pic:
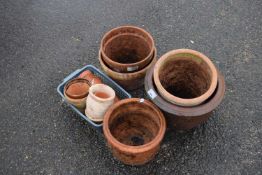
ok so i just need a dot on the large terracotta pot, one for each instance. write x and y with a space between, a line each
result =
129 81
127 48
180 117
134 129
185 77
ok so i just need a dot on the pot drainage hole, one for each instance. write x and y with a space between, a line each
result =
137 140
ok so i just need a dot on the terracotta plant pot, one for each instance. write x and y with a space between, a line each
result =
183 118
134 129
76 91
100 98
127 48
185 77
89 76
129 81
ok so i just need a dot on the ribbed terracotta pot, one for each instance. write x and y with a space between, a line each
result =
134 129
127 48
185 77
129 81
76 91
184 118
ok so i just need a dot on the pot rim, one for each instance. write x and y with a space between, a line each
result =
193 111
128 64
70 82
182 101
122 76
102 99
134 149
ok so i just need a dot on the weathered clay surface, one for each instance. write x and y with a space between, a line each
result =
185 78
183 118
134 130
127 48
78 89
129 81
77 94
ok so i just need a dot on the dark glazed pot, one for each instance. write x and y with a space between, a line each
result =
127 48
129 81
184 118
134 129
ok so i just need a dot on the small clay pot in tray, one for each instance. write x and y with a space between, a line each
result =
127 49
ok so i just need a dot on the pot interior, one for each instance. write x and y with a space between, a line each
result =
134 124
77 89
127 48
185 76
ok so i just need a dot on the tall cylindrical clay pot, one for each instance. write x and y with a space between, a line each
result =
99 99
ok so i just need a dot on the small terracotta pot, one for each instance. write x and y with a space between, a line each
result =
127 48
184 118
185 77
89 76
76 91
129 81
100 98
134 129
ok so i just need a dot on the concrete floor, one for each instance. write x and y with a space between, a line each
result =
42 41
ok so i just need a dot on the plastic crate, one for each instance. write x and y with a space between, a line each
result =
120 92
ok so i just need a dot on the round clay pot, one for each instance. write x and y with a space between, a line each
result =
129 81
89 76
134 129
100 98
185 77
184 118
76 91
127 48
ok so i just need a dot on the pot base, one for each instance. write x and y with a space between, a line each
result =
95 119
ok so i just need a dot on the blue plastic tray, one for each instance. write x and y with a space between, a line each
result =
120 92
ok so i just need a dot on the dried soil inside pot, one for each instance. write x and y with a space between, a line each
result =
185 78
127 49
134 127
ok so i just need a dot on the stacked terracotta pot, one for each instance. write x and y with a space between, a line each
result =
186 86
126 53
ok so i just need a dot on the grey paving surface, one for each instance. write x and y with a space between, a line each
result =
42 41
